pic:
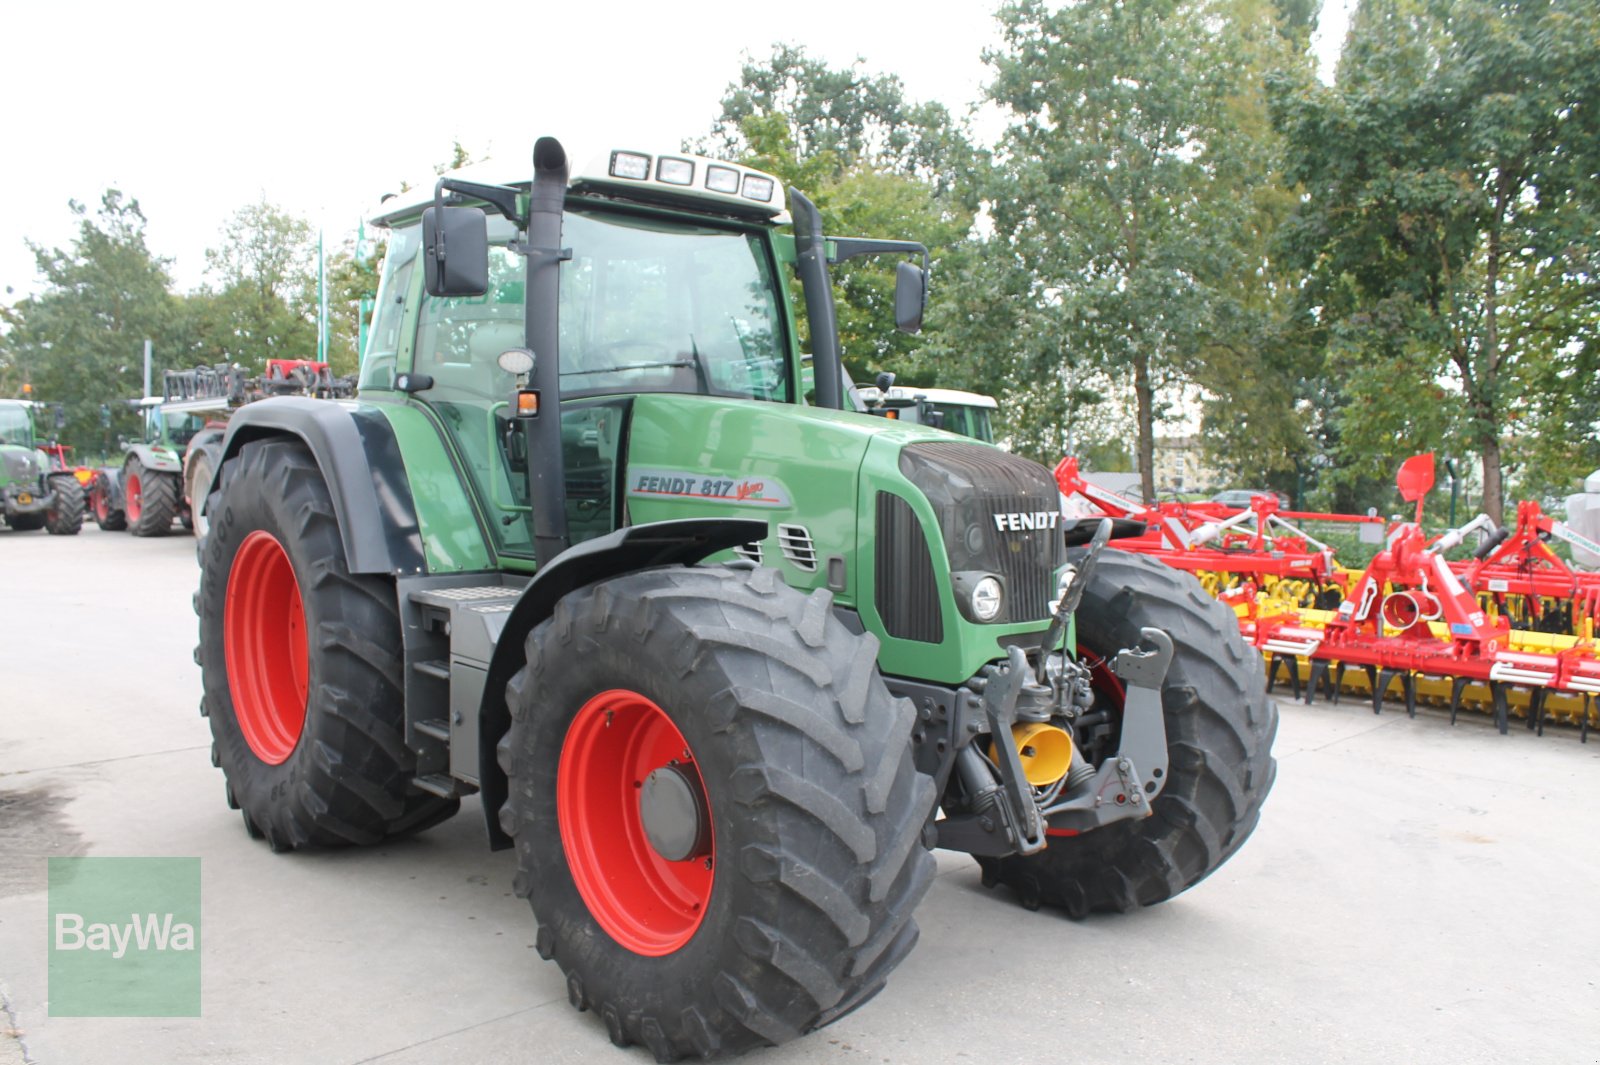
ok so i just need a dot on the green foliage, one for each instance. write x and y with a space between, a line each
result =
80 341
874 163
1128 196
265 303
1450 230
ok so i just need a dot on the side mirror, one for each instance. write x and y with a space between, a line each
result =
910 296
885 381
464 231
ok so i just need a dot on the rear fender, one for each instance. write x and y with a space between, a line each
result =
356 450
155 461
635 547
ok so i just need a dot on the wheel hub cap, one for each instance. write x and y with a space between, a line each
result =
672 810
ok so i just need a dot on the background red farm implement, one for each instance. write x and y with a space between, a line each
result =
1508 630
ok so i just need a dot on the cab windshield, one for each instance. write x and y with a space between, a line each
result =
967 421
646 306
15 428
176 430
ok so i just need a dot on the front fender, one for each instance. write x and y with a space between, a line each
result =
635 547
356 450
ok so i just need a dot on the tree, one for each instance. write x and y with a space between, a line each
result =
1123 188
873 162
1450 178
80 341
265 303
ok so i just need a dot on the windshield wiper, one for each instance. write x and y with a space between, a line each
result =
628 366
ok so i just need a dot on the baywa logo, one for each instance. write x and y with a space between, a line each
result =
124 937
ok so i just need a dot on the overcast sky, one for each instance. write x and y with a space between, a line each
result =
321 108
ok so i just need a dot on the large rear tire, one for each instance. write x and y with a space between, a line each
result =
300 662
1220 727
150 498
757 703
108 517
65 517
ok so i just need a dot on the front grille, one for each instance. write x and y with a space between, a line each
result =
998 514
904 591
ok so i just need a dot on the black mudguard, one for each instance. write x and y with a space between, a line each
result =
636 547
357 453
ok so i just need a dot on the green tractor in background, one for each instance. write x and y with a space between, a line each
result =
968 414
33 493
146 493
722 660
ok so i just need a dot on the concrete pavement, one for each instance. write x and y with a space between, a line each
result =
1415 893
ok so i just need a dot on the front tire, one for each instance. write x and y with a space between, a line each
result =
65 517
200 472
794 901
108 517
150 499
1220 726
300 662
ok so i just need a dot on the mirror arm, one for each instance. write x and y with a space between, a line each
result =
501 197
842 248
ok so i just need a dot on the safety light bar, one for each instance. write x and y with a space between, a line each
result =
679 176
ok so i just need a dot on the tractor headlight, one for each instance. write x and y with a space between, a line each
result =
980 596
758 188
675 171
987 598
633 165
722 179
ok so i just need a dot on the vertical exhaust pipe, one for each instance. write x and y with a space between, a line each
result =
547 481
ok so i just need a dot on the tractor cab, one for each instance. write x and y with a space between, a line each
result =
16 424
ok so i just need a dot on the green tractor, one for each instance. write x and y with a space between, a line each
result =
722 662
33 493
146 492
967 414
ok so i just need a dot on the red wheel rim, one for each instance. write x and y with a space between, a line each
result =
132 490
101 513
647 904
264 642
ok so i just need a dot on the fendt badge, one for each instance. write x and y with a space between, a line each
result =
1039 519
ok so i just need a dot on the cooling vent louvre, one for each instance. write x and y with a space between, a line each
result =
795 541
904 590
750 552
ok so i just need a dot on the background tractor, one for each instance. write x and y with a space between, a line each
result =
145 494
722 660
968 414
182 444
34 493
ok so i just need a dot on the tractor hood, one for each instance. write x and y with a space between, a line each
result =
21 463
898 521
